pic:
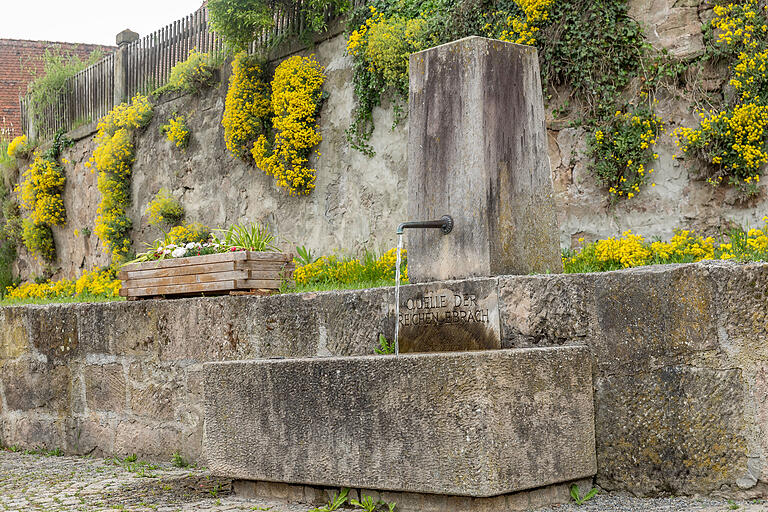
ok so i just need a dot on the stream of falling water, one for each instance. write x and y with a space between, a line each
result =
397 294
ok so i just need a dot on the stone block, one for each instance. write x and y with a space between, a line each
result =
546 310
92 435
477 151
471 423
13 336
127 36
120 329
672 430
156 392
30 431
410 501
665 312
157 442
351 323
53 330
452 316
105 387
33 385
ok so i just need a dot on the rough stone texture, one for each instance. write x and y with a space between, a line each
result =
72 484
678 359
679 375
357 203
469 423
671 24
36 482
121 378
477 151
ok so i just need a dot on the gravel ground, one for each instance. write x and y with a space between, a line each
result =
36 482
612 502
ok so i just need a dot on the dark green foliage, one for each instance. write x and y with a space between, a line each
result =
593 47
10 237
239 22
369 88
59 143
385 347
51 81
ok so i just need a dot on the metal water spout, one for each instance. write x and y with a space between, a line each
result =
445 223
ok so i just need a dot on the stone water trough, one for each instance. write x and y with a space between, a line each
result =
476 424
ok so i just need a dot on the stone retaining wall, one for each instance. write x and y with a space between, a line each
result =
680 365
359 201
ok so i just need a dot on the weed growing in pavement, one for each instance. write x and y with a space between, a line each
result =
580 500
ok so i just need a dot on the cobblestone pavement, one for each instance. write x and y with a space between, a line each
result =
36 482
39 482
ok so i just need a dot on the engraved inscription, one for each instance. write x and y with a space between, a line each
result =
444 317
431 309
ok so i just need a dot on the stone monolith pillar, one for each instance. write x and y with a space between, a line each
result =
477 151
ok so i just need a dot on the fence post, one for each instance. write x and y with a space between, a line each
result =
123 40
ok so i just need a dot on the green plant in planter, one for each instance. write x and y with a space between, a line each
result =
253 237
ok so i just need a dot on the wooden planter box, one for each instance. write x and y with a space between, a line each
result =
237 273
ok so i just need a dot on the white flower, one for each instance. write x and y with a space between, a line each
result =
166 251
179 252
191 245
170 246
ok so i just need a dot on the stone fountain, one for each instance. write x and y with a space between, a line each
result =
460 423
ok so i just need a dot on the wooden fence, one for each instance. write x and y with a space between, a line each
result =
85 97
143 66
149 60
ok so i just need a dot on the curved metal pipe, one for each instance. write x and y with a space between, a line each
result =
444 223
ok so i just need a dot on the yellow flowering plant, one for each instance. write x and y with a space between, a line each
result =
593 48
38 238
176 131
164 209
736 28
40 191
732 142
384 43
621 151
19 147
296 99
246 107
686 246
188 233
380 47
40 194
91 285
522 25
192 74
113 159
338 271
